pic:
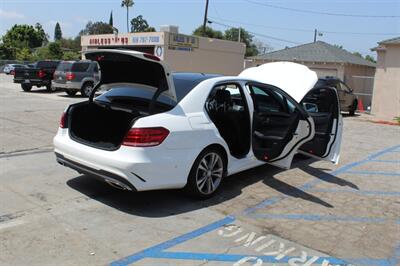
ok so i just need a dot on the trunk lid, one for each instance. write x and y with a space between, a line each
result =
125 66
295 79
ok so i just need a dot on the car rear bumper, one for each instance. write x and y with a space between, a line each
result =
33 82
69 85
139 169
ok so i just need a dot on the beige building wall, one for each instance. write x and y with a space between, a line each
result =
386 97
181 52
212 56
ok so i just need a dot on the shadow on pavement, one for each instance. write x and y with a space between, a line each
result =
172 202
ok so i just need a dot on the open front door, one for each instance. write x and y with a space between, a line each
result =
322 104
280 125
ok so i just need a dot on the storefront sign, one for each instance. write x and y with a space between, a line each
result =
151 40
181 40
108 40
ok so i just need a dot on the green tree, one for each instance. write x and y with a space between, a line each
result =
127 4
70 55
7 51
71 44
210 32
139 24
57 32
25 36
96 28
111 21
23 54
55 51
370 58
358 54
338 46
42 34
232 34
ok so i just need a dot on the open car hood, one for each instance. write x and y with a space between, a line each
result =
127 66
295 79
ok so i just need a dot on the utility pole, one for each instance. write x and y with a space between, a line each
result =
315 35
205 18
239 34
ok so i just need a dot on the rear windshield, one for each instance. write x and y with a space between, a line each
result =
136 97
64 66
80 67
185 82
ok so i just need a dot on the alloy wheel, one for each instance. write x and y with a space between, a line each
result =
209 173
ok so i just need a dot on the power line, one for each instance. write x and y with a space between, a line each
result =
255 33
322 13
309 30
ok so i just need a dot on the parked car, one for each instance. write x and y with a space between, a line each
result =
153 129
348 101
10 68
39 75
76 76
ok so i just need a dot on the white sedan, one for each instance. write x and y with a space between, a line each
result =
153 129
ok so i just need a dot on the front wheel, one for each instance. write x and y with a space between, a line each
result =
26 87
206 174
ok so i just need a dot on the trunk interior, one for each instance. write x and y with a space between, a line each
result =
98 126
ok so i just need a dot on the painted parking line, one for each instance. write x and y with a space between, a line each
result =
359 172
238 257
386 161
355 191
152 251
316 217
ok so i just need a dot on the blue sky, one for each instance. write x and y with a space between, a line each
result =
283 24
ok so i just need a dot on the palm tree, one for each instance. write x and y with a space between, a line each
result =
127 4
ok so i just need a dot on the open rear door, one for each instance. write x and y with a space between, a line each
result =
280 125
322 104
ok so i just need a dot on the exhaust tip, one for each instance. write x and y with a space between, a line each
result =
117 185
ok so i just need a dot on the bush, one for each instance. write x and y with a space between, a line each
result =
69 55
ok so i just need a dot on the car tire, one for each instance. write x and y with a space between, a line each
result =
26 87
87 89
71 92
353 108
49 88
207 173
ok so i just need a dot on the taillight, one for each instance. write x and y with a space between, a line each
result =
64 120
145 137
70 76
41 74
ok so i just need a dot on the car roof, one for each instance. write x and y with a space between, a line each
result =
193 76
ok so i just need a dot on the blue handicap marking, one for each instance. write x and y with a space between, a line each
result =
168 249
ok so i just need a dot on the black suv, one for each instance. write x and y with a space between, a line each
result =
348 101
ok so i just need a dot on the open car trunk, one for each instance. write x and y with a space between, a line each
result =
98 126
136 85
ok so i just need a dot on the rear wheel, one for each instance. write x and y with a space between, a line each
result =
71 92
353 108
50 88
87 89
206 174
26 87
